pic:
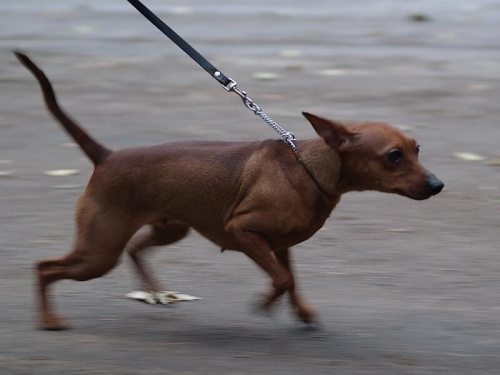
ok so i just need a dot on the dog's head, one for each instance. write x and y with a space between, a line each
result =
377 156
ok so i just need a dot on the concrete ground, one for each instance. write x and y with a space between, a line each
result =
401 287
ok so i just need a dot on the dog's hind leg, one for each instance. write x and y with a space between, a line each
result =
101 238
159 234
75 266
79 265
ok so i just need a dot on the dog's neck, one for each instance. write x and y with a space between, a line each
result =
322 163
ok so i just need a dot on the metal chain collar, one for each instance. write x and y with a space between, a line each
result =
287 136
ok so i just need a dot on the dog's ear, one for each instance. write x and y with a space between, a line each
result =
335 134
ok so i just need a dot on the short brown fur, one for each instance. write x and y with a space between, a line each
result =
253 197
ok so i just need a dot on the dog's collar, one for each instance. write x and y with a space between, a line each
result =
311 175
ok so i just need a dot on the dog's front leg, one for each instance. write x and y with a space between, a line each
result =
256 247
304 311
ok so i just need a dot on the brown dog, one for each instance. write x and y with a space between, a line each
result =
255 197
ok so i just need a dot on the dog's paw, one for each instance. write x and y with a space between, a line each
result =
307 315
52 322
259 309
311 327
262 307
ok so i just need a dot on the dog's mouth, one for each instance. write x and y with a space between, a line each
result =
419 195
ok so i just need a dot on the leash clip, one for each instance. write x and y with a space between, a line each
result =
230 86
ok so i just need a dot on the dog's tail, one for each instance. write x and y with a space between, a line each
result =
94 150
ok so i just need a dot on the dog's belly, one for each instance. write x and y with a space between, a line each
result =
283 234
276 242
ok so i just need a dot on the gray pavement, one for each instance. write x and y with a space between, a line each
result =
401 287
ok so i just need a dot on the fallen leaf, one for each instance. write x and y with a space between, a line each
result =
399 230
377 32
469 156
163 298
493 162
447 36
181 11
291 53
83 29
478 87
332 72
488 188
61 172
266 76
6 173
181 296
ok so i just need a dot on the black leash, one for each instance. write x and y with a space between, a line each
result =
181 43
227 83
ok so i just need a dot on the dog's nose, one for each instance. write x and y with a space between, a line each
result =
435 185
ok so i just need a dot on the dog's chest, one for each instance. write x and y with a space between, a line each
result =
301 223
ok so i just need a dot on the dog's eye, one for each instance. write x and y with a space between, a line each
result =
418 149
395 156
